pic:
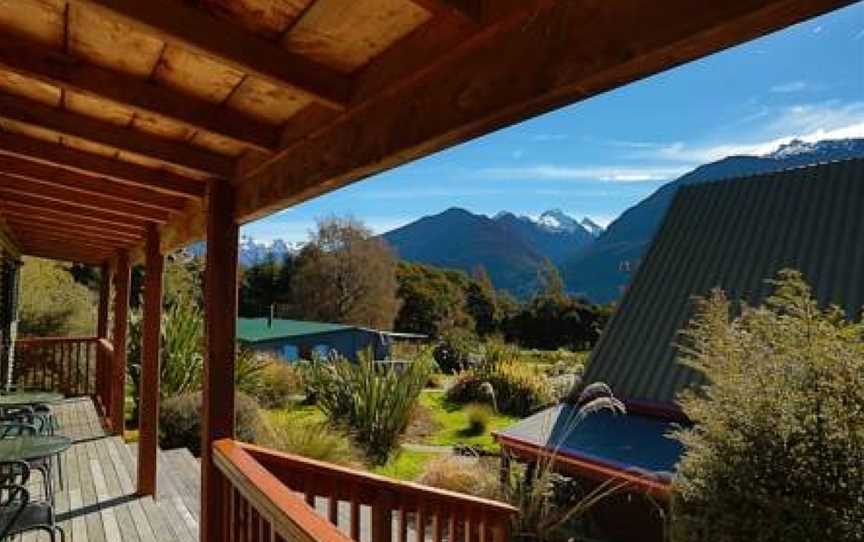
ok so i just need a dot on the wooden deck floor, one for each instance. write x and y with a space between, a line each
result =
98 502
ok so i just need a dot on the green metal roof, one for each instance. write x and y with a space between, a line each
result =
733 234
257 329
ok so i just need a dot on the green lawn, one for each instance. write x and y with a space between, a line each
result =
405 465
450 429
453 421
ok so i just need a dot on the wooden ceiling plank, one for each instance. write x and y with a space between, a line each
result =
471 10
59 69
86 184
192 28
70 239
91 164
539 61
25 213
54 254
54 207
112 135
80 231
27 187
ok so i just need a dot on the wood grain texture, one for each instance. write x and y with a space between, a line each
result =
61 70
28 170
118 137
117 374
193 29
220 306
90 164
151 336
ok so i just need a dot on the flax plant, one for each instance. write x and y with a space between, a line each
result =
373 402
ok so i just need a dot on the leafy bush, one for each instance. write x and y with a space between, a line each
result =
453 352
180 421
504 381
777 452
373 401
279 381
478 418
469 475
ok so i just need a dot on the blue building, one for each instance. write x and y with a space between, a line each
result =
299 339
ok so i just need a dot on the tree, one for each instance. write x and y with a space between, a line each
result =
481 302
347 275
433 300
52 303
777 449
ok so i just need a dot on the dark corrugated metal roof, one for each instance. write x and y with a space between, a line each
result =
733 234
624 442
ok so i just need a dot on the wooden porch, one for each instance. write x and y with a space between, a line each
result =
131 128
98 502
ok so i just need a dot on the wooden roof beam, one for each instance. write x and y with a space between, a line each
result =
86 184
531 63
63 238
49 206
52 193
34 213
92 164
36 224
194 29
59 69
66 254
112 135
471 10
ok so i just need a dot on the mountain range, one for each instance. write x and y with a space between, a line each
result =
594 262
602 270
511 248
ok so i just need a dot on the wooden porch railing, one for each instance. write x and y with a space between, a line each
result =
66 365
266 491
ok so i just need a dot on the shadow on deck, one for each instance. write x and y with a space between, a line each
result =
98 501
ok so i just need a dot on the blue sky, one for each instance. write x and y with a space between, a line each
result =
598 157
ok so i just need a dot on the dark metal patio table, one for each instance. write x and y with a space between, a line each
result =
25 398
32 447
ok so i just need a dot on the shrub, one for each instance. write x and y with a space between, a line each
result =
374 402
180 421
453 352
279 381
469 475
478 418
315 442
504 381
777 452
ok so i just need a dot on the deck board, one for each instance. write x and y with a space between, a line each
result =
98 501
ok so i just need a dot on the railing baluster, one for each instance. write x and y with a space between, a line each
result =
333 504
437 522
421 522
451 525
355 513
403 523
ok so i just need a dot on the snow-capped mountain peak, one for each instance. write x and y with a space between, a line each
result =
595 229
557 220
824 150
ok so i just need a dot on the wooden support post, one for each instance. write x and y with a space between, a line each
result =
151 336
220 300
117 374
103 388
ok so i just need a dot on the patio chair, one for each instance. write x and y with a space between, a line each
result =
18 513
43 464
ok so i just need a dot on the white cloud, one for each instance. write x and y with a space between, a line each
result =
553 172
810 123
415 193
549 137
791 86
